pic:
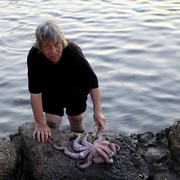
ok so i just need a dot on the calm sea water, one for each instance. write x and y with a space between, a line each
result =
133 46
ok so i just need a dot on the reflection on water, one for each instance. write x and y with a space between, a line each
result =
133 46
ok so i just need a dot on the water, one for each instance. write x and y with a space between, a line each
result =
133 46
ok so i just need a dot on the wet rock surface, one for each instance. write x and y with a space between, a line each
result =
8 160
149 156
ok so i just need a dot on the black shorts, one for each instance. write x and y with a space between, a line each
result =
74 105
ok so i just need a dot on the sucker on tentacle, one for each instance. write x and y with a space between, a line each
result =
107 150
108 159
77 146
112 146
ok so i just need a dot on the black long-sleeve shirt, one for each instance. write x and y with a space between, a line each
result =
72 75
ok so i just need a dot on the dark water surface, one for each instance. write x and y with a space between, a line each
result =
133 46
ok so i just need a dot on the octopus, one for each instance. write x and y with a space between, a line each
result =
99 151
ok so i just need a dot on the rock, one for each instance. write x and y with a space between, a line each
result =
8 160
157 151
173 134
144 156
42 161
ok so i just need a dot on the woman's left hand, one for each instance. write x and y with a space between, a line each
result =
100 120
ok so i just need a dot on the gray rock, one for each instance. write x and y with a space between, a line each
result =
8 160
44 162
173 134
144 156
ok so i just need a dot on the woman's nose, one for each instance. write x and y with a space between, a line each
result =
53 49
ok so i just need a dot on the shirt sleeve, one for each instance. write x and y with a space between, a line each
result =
88 76
34 74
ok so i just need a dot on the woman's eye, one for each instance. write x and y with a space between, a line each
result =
45 46
57 43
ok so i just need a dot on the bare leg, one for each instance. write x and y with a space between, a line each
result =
77 123
53 121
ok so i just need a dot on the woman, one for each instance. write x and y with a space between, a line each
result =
59 77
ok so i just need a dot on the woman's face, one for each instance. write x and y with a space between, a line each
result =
52 50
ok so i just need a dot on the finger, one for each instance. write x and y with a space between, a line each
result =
46 135
42 136
95 125
34 135
98 125
104 121
49 132
38 136
101 126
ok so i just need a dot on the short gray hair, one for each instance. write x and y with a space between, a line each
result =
51 30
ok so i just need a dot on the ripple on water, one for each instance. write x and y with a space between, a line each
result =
133 46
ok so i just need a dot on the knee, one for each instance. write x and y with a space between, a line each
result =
77 123
75 119
53 122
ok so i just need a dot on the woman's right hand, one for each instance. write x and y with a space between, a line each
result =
41 132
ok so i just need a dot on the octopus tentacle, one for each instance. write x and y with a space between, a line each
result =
98 140
105 143
85 164
67 152
112 146
98 160
85 142
107 150
84 153
77 146
117 147
105 156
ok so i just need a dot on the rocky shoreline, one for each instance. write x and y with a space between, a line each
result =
150 156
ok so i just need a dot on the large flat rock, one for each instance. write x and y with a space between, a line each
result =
45 162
